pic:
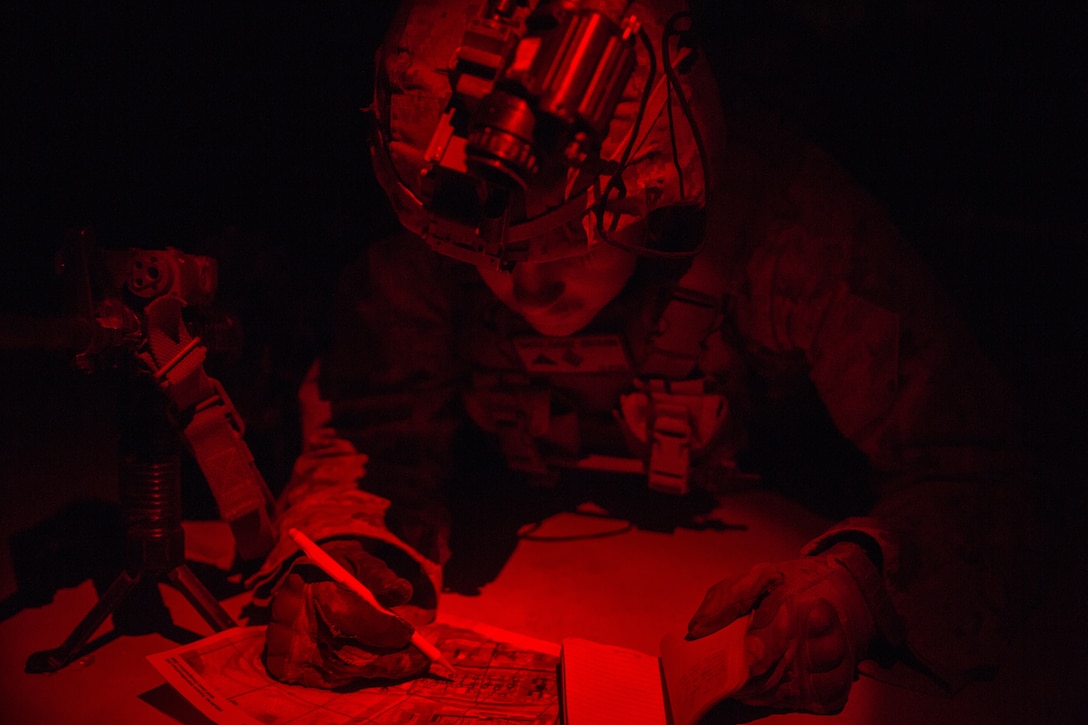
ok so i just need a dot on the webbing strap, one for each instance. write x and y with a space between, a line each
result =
676 343
672 353
211 426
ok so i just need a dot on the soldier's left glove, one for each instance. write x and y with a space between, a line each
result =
810 628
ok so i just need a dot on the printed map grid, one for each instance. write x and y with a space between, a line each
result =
497 683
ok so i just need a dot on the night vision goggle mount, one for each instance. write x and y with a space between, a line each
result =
535 85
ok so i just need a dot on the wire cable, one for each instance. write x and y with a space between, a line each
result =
674 88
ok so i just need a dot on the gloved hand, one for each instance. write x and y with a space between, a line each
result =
322 634
811 626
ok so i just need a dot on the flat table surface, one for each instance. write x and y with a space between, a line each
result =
625 589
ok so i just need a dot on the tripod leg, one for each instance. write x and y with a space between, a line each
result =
202 600
54 659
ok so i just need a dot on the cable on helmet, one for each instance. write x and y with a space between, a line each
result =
674 88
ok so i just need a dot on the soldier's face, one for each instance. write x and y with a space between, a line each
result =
559 298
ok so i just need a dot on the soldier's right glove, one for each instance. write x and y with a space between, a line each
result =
322 634
811 626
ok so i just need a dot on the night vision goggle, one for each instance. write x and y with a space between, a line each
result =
535 85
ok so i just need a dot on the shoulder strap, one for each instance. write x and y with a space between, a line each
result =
693 312
211 426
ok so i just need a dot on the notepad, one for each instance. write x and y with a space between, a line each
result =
602 683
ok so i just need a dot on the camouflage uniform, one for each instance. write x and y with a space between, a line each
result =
810 283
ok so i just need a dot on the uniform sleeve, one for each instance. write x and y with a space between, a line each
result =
378 418
955 532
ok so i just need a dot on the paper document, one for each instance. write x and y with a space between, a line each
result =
225 678
603 683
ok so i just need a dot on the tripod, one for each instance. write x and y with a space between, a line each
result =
150 493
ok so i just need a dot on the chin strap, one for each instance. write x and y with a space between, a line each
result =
211 426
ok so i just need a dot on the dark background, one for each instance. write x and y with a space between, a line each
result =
235 130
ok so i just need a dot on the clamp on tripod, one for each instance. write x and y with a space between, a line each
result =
129 306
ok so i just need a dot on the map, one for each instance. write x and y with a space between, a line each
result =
498 683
